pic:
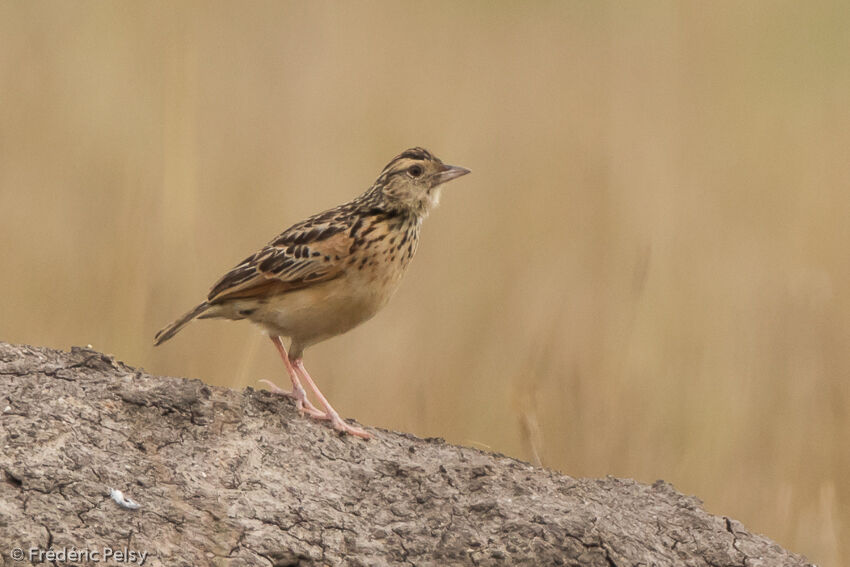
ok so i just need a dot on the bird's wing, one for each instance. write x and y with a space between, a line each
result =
310 252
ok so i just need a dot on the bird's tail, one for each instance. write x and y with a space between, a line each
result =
171 330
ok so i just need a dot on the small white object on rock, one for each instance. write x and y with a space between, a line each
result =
127 503
7 409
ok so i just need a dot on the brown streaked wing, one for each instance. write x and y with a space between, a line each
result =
303 255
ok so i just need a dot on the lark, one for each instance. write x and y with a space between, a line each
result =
331 272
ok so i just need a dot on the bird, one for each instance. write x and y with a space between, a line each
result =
331 272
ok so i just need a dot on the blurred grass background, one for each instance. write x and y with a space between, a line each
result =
645 276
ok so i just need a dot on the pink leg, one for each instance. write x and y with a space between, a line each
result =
298 394
330 412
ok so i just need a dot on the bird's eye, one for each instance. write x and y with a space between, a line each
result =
415 170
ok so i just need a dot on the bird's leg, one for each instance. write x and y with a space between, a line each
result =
298 394
330 413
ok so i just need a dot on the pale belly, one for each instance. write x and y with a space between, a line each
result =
321 311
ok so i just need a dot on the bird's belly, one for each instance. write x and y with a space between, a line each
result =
322 311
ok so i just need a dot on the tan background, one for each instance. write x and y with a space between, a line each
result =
645 276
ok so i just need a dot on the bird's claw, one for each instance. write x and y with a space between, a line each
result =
343 427
302 404
306 408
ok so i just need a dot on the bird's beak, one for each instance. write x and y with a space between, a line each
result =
449 172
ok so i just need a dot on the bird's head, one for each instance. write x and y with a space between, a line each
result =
412 180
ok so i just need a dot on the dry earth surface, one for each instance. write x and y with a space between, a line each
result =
238 478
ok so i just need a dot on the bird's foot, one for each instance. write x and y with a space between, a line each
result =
302 404
305 407
344 427
341 426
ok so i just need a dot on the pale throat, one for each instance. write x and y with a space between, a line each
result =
432 199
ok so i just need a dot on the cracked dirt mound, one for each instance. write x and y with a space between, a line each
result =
237 478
